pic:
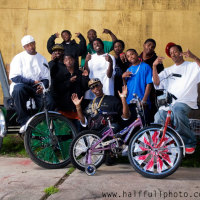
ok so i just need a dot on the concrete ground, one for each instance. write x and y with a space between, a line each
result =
21 179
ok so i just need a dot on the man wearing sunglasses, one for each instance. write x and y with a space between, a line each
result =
101 102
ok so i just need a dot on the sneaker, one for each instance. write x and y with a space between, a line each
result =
22 129
2 134
190 150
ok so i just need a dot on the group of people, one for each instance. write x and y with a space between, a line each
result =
104 82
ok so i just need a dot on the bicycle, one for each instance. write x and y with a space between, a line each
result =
88 149
156 151
48 136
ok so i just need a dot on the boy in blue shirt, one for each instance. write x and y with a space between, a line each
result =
138 78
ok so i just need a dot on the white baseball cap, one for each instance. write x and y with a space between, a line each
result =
27 39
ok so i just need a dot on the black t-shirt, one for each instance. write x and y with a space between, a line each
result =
108 104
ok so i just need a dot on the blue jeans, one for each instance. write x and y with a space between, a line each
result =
21 94
180 121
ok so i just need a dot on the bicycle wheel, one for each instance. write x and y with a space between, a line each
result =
152 162
79 150
48 151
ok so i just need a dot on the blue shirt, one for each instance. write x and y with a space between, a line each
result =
142 75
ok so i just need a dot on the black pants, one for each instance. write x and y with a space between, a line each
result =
21 94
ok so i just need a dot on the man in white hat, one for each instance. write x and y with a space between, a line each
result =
27 69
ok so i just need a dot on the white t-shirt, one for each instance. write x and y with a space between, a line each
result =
184 87
98 67
28 66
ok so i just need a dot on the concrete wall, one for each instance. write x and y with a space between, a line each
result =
131 20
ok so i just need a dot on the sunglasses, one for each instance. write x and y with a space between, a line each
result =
96 85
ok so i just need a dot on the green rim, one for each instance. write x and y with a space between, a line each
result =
41 142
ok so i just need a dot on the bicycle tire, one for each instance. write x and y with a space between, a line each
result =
49 152
155 163
80 144
1 142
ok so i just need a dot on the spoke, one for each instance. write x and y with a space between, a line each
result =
155 137
160 165
145 139
140 148
141 158
150 164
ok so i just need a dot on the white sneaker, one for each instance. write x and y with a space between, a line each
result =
2 134
125 151
22 129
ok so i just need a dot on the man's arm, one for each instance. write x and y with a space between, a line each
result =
107 31
110 67
189 54
125 108
87 59
51 42
82 44
147 92
77 103
20 79
156 79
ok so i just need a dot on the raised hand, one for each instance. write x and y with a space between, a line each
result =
159 60
88 57
188 54
76 100
107 31
124 91
108 58
123 57
77 34
127 74
57 35
85 73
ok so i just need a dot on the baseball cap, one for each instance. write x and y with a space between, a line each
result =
167 48
93 81
27 39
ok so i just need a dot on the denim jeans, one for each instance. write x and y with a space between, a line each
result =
180 121
21 94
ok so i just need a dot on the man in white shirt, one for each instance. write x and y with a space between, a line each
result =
184 88
27 69
102 66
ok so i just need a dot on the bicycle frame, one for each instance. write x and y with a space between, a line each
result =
165 127
127 130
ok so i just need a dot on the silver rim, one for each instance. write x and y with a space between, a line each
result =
81 147
149 159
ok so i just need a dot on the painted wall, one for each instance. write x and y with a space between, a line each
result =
131 20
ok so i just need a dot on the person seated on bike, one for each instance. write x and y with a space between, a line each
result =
138 78
27 69
184 88
92 118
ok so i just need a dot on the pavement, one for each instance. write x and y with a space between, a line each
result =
21 179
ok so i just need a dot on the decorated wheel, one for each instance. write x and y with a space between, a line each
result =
151 160
46 150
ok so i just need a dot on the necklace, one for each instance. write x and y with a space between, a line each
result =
94 110
133 74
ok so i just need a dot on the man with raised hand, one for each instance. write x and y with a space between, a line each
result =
184 88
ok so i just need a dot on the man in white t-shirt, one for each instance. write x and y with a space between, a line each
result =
101 66
27 69
184 88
